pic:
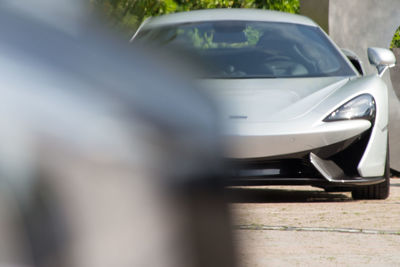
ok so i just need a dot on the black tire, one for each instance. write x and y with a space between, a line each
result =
376 191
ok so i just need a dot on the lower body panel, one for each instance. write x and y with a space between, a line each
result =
330 166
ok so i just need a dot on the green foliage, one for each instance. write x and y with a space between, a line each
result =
396 39
126 15
205 40
282 5
252 35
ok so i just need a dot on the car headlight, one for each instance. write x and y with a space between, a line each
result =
360 107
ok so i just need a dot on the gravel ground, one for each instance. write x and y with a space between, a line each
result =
305 226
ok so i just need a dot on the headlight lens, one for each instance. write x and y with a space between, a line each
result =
360 107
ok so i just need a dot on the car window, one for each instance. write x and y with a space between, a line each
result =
249 49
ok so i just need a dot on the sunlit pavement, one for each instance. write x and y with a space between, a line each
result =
282 226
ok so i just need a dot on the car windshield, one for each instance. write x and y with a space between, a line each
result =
252 49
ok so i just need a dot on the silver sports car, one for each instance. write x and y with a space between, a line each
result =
297 109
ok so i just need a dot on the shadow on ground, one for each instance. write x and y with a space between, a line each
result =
268 195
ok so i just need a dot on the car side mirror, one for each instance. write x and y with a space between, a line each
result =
381 58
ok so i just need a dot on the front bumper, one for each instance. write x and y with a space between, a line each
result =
260 140
334 165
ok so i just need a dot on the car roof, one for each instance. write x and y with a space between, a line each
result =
228 14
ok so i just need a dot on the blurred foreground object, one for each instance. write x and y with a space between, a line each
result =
106 158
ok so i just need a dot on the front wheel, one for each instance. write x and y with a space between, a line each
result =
376 191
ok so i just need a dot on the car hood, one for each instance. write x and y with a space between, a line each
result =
268 100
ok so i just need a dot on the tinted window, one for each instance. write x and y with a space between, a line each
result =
248 49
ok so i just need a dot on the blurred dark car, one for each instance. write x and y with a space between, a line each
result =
107 158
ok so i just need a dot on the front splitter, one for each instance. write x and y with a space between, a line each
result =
347 182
